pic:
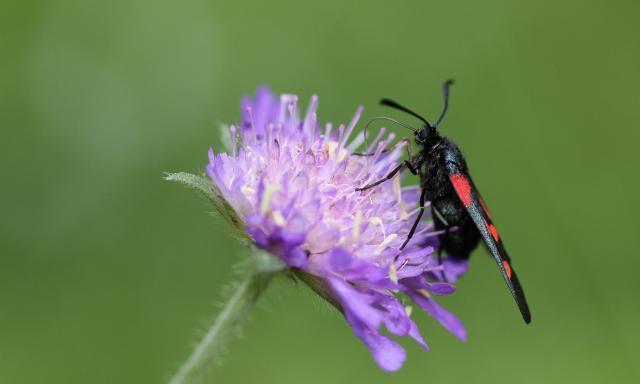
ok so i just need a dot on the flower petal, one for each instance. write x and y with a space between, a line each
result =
356 304
387 353
441 288
448 320
414 332
454 268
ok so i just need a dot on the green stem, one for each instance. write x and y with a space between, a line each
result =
225 326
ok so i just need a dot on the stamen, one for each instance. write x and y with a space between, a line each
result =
234 140
387 241
351 126
251 121
430 234
309 125
378 221
404 263
375 141
285 101
340 133
406 215
357 223
270 127
356 142
314 122
293 111
327 130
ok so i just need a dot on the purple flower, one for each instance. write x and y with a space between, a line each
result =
292 184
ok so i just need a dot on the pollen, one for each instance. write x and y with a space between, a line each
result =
387 240
278 218
269 191
247 191
330 148
408 310
397 189
393 273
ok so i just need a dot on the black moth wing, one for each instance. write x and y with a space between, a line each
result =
472 201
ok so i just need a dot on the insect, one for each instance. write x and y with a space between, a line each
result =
456 205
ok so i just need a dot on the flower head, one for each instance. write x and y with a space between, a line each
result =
293 184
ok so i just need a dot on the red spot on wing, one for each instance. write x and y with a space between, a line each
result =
462 187
507 268
494 232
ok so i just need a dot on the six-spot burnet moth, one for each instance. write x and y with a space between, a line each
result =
456 205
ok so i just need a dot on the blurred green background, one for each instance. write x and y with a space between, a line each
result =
108 274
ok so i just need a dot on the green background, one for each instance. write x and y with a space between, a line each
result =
108 274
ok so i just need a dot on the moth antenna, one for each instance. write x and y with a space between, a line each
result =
400 123
445 91
393 104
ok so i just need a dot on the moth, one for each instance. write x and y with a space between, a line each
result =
456 205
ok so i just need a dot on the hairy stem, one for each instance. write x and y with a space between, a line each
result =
224 327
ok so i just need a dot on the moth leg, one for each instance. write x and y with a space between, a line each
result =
409 146
411 167
388 177
391 174
423 197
